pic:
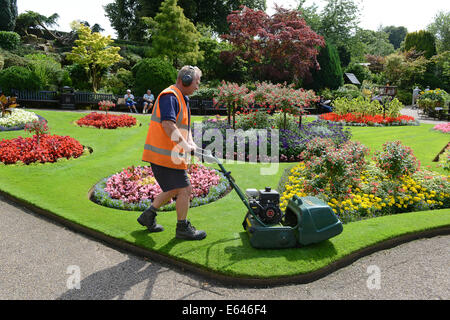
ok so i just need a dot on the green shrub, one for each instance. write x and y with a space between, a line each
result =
361 72
19 78
204 93
9 40
422 41
330 74
253 120
291 121
404 96
396 159
79 77
2 62
349 91
47 69
12 59
155 74
119 82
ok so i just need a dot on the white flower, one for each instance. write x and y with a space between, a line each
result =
17 117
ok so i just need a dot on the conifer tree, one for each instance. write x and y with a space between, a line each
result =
8 14
174 36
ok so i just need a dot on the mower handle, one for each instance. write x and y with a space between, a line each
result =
227 174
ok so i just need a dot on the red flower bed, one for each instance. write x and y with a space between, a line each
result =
366 119
49 149
107 121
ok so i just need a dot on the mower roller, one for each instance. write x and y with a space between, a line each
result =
307 220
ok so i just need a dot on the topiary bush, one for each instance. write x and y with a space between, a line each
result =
19 78
153 73
9 40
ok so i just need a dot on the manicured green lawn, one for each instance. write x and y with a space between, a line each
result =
62 189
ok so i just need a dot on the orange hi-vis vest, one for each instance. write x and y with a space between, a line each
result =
159 148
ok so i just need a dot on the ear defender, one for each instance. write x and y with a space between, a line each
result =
187 79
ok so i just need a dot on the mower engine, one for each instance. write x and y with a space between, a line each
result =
265 204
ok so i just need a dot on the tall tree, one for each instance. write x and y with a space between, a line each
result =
337 22
440 27
35 20
340 18
370 42
8 14
124 17
330 74
173 35
94 52
396 35
280 46
422 41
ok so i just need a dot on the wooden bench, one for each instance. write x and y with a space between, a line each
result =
195 106
208 107
25 97
92 98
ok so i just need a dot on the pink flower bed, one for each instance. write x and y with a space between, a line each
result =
443 127
138 183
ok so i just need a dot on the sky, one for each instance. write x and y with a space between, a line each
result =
413 14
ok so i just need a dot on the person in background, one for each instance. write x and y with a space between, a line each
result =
148 101
129 101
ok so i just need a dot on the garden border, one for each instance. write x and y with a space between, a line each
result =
244 281
21 127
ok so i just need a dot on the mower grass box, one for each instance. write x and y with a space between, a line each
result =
306 221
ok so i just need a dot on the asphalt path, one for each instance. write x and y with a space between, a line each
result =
41 259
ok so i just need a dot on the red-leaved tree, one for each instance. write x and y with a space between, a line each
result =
282 46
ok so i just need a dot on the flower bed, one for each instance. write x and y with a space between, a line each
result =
106 121
17 120
358 119
134 188
292 141
442 127
390 184
50 148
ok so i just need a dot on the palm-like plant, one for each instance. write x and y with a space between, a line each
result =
6 104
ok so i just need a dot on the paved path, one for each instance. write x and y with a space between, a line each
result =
37 258
414 112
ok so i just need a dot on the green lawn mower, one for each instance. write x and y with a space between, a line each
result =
307 220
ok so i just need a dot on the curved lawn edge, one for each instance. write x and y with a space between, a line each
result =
386 241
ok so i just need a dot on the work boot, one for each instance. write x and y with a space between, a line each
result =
148 219
186 231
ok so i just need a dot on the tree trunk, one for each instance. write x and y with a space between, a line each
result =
234 117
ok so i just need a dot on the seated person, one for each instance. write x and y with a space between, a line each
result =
148 101
325 105
129 101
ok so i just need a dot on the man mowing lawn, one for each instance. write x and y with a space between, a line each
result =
168 144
